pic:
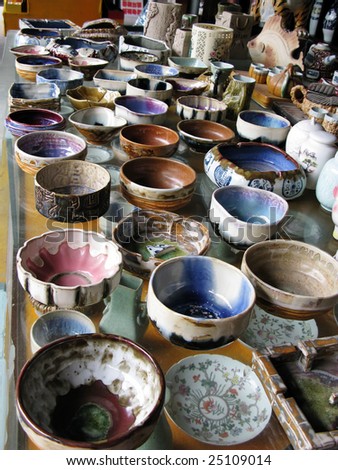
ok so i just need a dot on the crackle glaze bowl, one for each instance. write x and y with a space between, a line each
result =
69 268
257 165
90 392
186 86
199 302
90 96
156 71
88 66
157 183
65 79
244 215
201 107
72 191
37 149
158 89
29 65
148 140
141 109
292 279
188 65
201 135
34 95
147 238
98 125
262 126
115 80
129 59
29 120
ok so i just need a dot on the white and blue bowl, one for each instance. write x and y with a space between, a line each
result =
199 302
141 109
157 71
65 79
262 126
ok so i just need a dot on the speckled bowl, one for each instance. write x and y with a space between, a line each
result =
29 120
191 306
187 86
34 95
188 65
109 394
201 107
90 96
29 65
156 71
87 65
116 80
129 59
158 89
141 109
202 135
262 126
65 79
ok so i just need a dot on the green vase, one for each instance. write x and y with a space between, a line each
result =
238 94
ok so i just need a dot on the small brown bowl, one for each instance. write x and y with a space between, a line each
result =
157 183
201 135
148 140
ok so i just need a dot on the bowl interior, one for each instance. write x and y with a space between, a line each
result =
205 130
35 117
51 144
201 103
141 104
157 70
187 85
114 75
264 119
149 135
60 75
34 60
149 84
36 91
97 117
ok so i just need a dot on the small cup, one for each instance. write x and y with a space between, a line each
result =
330 123
318 114
254 65
260 74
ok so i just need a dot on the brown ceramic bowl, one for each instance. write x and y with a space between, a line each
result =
201 135
157 183
148 140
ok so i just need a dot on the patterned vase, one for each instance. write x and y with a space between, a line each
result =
162 21
330 22
210 43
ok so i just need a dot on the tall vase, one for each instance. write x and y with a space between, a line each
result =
315 14
238 94
162 21
330 23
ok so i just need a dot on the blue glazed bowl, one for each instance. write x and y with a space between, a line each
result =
199 302
141 109
262 126
157 71
28 120
28 66
65 79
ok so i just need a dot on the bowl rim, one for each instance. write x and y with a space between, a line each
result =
276 117
70 75
174 72
168 88
12 114
126 98
95 61
219 125
83 125
154 127
53 61
220 105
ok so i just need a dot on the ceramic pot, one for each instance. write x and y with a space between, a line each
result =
162 21
210 42
298 134
238 94
327 181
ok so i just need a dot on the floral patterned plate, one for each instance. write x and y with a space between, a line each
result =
216 399
265 330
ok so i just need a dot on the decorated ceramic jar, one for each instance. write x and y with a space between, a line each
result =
327 181
298 134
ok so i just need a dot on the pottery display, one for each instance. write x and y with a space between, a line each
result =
330 123
210 42
330 22
64 79
28 66
29 120
280 83
162 20
182 42
220 76
101 29
315 95
119 208
34 36
29 50
262 126
88 66
201 107
158 89
90 96
115 80
327 181
34 95
201 135
139 42
314 18
141 109
237 95
60 26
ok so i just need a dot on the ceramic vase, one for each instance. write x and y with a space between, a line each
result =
210 42
162 21
330 23
327 181
238 94
315 14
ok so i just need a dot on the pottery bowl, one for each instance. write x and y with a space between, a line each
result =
255 164
66 48
69 268
141 109
34 36
62 27
188 65
200 107
262 126
141 43
101 29
148 238
187 86
158 89
292 279
65 79
90 96
119 208
199 302
129 59
29 50
109 394
98 125
157 183
201 135
88 66
29 120
148 140
116 80
72 191
29 65
34 95
246 215
57 324
156 71
37 149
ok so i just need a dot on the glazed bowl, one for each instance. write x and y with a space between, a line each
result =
65 79
69 268
116 80
98 125
141 43
61 27
187 86
37 149
109 394
157 183
199 302
68 47
292 279
90 96
129 59
119 208
188 65
158 89
201 135
29 65
29 120
34 95
156 71
27 49
201 107
88 66
262 126
255 164
29 36
148 238
244 215
72 191
148 140
101 29
141 109
57 324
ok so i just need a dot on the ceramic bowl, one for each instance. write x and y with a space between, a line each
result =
66 48
58 324
97 125
262 126
109 394
65 79
156 71
69 268
148 140
292 279
72 191
116 80
141 109
186 86
232 410
25 49
28 36
148 238
107 29
246 215
129 59
201 107
141 43
157 183
34 95
191 306
29 65
188 65
62 27
88 66
28 120
90 96
158 89
255 164
37 149
202 135
119 208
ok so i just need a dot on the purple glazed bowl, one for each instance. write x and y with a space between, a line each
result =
34 119
141 109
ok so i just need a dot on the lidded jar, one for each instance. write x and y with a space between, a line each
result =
298 134
327 181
